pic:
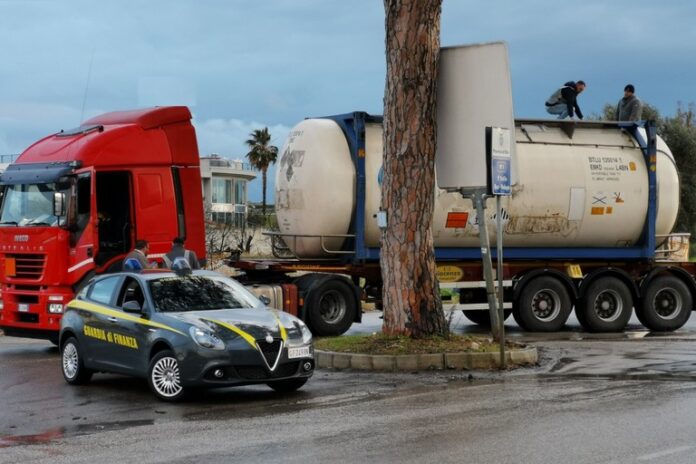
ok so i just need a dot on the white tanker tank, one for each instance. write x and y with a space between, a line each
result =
585 190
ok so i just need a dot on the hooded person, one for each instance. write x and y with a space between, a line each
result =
564 101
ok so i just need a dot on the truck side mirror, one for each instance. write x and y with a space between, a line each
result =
58 204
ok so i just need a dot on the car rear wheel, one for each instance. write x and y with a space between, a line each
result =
74 370
289 385
164 377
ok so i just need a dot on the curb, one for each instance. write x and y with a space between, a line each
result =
419 362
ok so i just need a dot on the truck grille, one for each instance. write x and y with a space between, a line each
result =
28 266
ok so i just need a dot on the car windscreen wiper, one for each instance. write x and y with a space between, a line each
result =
14 223
39 223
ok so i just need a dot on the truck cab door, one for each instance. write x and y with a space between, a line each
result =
83 240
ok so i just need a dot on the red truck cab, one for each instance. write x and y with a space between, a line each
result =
75 202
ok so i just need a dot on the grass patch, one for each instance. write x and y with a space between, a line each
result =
397 345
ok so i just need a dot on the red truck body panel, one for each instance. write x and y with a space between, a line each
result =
133 175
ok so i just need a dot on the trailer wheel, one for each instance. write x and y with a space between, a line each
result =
606 306
543 305
665 305
331 308
483 318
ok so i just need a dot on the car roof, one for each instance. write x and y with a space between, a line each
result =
154 274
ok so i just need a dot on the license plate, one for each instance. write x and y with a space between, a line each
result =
299 352
23 307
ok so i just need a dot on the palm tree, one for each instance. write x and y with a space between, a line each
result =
261 156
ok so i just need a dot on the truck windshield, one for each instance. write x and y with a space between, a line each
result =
198 293
30 205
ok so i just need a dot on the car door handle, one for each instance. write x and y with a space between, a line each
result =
113 319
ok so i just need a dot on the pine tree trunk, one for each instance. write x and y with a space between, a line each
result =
411 294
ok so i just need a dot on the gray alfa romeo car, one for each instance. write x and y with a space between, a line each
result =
182 330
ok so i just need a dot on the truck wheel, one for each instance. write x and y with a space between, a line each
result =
331 308
74 370
288 385
665 305
543 306
164 377
606 306
483 318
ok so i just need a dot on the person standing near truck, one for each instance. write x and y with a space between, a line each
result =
139 255
564 101
630 108
178 251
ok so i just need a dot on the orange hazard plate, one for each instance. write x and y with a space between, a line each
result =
456 220
10 267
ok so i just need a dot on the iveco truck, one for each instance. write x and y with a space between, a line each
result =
75 202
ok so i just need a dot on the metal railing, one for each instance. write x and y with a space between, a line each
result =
8 159
281 249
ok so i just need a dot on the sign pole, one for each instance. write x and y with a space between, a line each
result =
480 205
499 273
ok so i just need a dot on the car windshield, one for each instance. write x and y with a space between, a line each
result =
199 293
30 205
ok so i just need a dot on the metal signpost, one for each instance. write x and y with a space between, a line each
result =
498 154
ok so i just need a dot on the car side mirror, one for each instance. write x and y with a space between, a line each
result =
132 307
58 204
265 300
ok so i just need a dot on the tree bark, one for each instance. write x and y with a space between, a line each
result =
411 293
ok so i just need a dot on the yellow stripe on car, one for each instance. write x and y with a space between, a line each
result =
95 308
248 337
251 340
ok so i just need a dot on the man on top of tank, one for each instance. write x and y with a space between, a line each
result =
565 99
630 108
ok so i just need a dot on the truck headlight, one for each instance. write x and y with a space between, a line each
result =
55 308
206 339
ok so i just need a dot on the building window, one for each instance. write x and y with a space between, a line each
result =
222 191
239 196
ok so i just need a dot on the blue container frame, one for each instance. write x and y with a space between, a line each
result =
353 127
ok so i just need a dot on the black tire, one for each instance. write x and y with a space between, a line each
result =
543 305
164 377
288 385
73 366
606 306
331 307
665 305
483 318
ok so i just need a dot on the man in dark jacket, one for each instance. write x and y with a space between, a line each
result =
565 100
178 251
630 108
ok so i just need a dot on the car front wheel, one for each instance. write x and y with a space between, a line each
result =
74 370
164 377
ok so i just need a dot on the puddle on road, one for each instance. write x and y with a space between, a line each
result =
57 433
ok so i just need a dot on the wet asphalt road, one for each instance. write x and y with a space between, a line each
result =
617 400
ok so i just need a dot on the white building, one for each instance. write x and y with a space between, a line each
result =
225 188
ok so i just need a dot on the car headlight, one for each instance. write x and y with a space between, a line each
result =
304 332
206 339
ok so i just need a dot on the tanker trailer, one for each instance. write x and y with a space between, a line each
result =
591 202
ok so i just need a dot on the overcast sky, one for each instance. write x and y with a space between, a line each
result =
242 65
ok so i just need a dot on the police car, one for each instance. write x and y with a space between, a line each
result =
181 330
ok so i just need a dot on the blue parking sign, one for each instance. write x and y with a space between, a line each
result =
499 145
